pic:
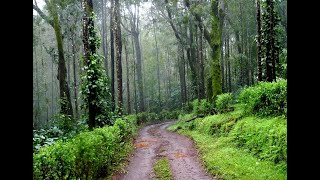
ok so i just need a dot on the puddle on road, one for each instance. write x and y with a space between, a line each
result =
141 145
149 140
179 155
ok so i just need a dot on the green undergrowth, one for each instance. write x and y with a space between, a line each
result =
96 154
246 140
151 117
162 169
224 160
236 147
89 155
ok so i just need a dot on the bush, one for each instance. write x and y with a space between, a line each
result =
187 108
265 98
202 108
223 102
89 155
166 115
145 117
265 138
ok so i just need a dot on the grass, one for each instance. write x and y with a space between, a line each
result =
123 161
235 146
162 169
222 159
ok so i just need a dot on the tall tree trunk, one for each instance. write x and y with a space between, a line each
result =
75 78
181 65
222 60
229 64
158 66
270 46
134 78
128 80
37 113
259 49
112 54
104 41
169 75
139 72
213 40
68 65
66 105
193 60
52 111
216 36
89 49
201 67
118 42
222 65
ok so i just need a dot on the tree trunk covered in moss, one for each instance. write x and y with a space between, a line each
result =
215 54
193 60
90 50
201 67
213 40
118 43
181 62
65 99
229 65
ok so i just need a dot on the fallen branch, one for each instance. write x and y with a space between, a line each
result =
198 116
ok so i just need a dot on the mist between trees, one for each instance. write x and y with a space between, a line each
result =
95 60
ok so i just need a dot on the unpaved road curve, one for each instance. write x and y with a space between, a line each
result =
153 142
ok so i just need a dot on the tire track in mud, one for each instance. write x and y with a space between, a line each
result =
154 142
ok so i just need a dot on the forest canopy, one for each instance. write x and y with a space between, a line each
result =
96 60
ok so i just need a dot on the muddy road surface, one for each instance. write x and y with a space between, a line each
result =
154 142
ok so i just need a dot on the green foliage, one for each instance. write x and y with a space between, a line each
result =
166 115
63 122
264 138
44 137
283 64
89 155
256 147
265 98
150 117
223 102
49 136
188 107
202 108
95 84
162 169
222 159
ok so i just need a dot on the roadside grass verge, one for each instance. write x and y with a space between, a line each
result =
234 146
162 169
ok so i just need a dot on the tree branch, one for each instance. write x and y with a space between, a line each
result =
171 23
206 33
125 28
45 17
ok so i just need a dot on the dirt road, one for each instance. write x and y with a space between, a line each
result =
153 142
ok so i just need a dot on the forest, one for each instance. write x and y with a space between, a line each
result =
114 78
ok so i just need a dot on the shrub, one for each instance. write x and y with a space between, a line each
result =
223 102
265 138
89 155
201 108
265 98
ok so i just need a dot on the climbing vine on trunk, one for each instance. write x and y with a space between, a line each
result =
95 85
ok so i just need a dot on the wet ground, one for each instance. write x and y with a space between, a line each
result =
154 142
